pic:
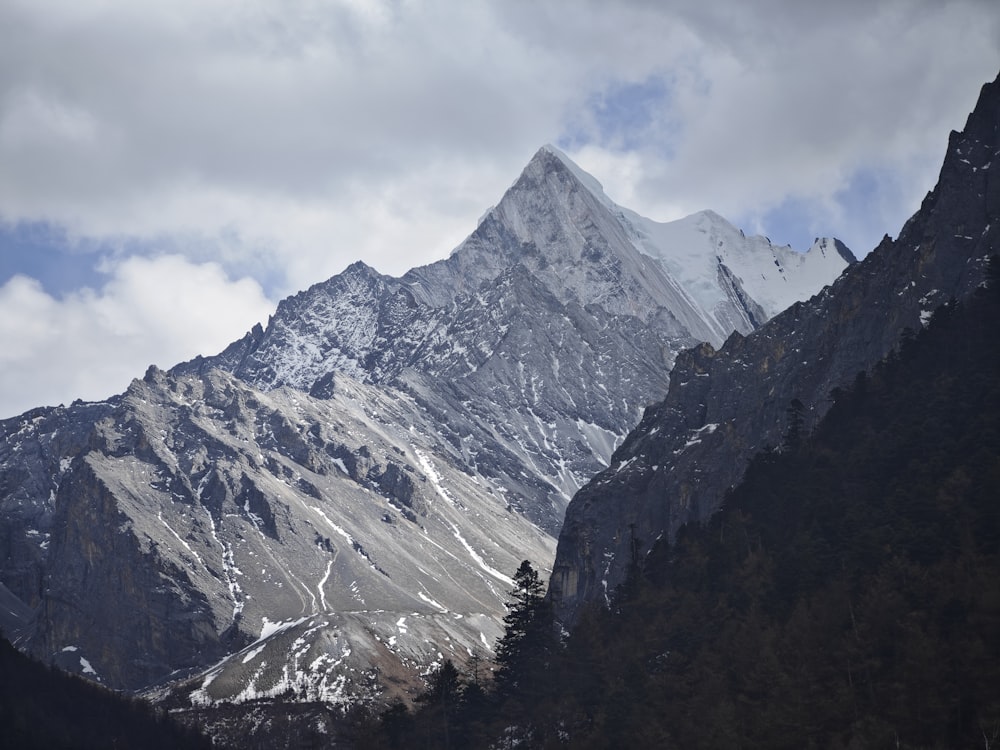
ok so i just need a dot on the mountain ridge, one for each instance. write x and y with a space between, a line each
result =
586 253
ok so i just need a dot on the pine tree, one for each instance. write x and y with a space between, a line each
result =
527 645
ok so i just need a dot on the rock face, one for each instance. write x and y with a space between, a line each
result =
726 404
204 514
334 503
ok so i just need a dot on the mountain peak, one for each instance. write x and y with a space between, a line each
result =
360 268
825 245
586 179
707 215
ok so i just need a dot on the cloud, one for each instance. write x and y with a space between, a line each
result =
277 132
283 141
777 105
92 343
203 117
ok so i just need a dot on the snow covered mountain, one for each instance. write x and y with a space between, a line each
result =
564 308
333 504
725 404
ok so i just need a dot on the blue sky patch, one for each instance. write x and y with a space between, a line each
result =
45 252
623 116
64 264
794 222
866 208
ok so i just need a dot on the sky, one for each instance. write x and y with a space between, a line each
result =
170 171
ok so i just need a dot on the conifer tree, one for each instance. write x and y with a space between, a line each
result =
526 646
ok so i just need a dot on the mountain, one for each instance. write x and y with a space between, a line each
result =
555 268
333 504
726 404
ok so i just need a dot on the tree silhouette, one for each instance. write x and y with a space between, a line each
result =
524 641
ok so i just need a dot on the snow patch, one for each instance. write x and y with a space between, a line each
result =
268 628
253 652
477 558
88 669
433 476
430 601
322 585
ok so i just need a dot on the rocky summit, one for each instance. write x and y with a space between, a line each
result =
335 503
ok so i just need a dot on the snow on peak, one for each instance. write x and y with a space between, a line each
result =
557 220
584 178
730 276
825 245
700 249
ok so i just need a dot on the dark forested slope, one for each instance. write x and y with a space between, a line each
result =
849 592
725 405
44 708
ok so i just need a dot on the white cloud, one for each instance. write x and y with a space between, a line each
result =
267 128
92 343
775 102
284 141
267 124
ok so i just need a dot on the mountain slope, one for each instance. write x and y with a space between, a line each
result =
725 405
216 509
